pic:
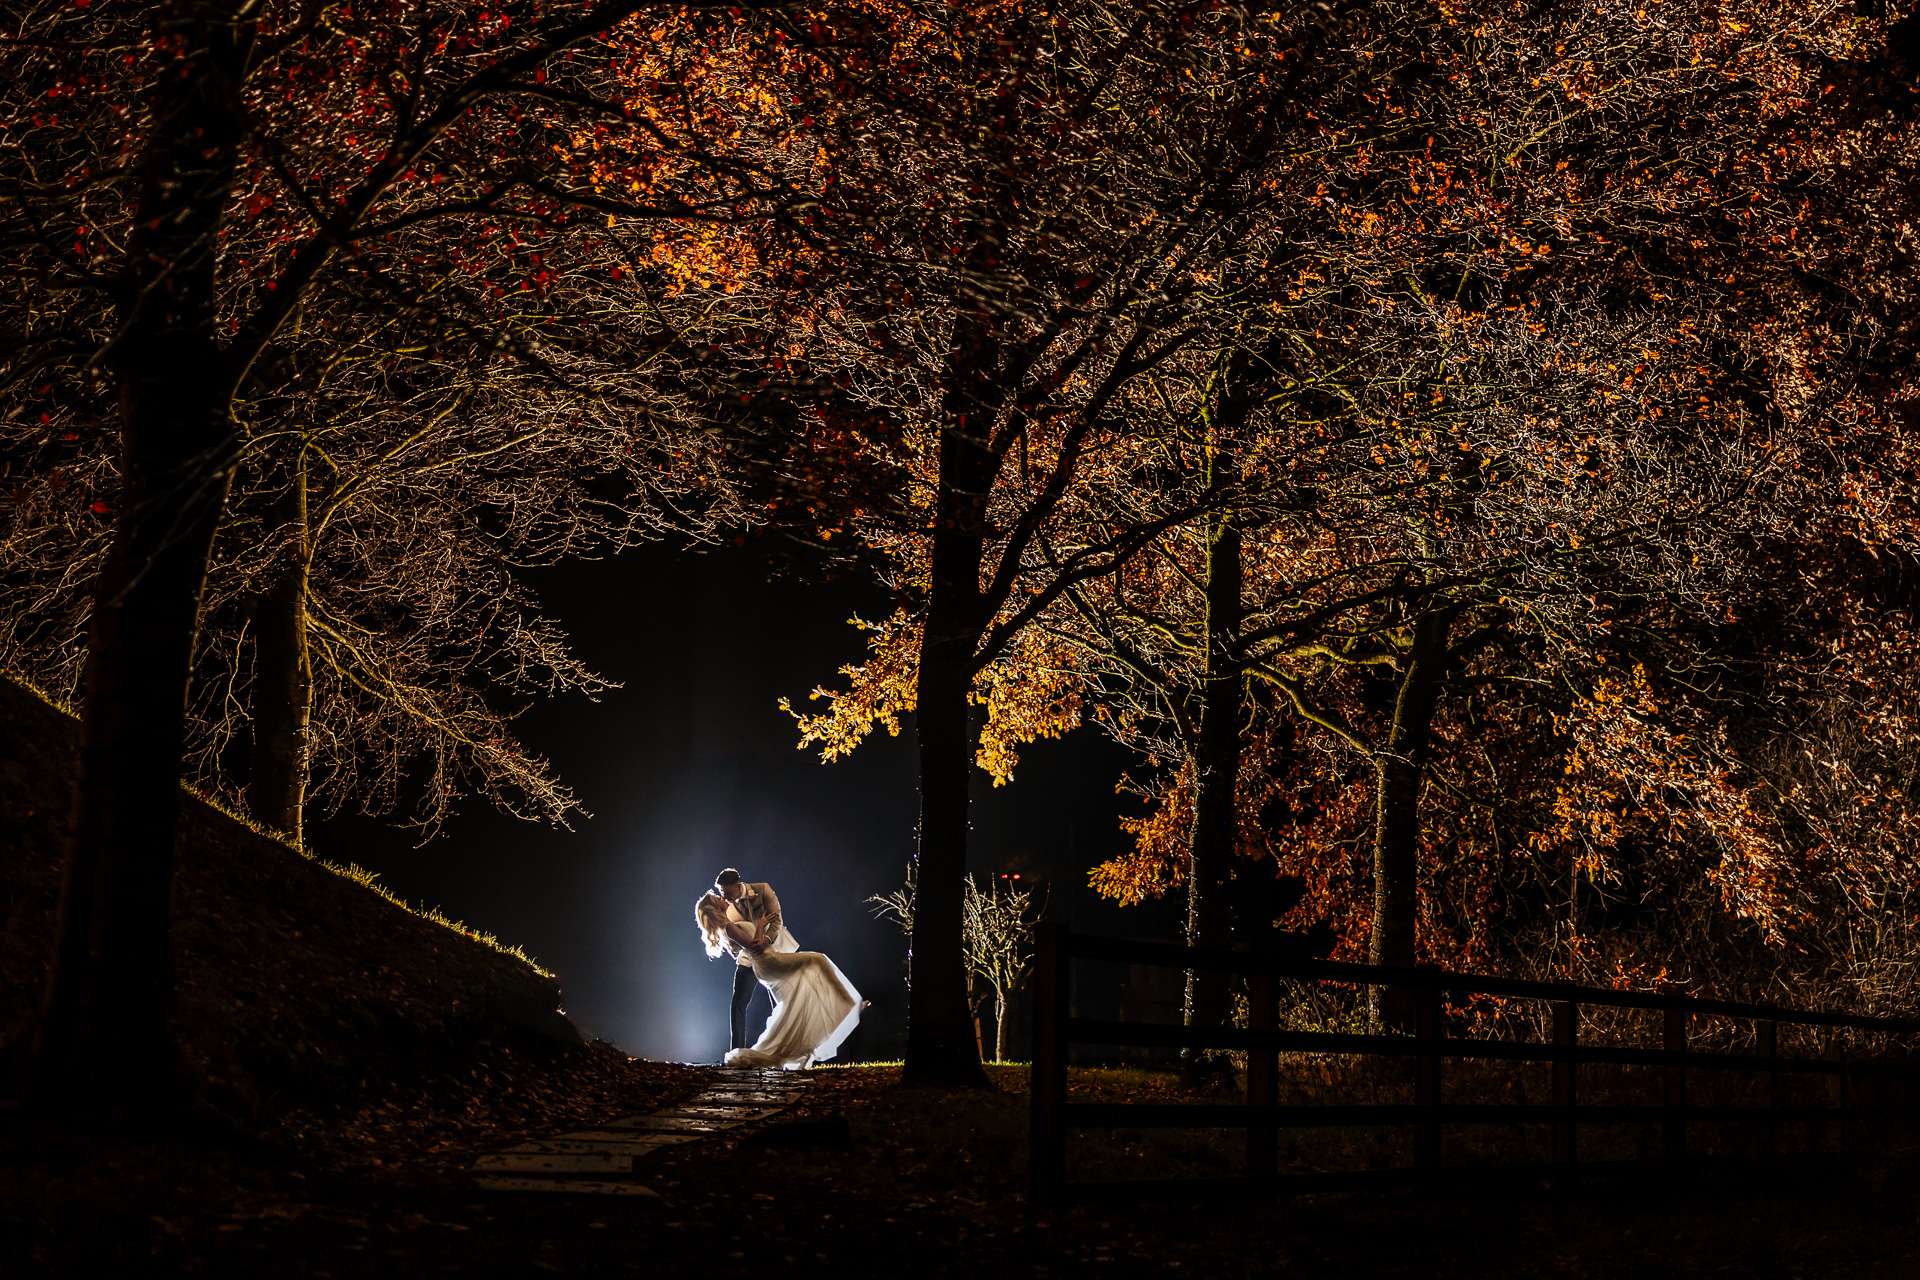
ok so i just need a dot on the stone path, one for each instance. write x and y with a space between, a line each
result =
600 1161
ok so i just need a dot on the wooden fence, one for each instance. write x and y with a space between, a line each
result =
1263 1116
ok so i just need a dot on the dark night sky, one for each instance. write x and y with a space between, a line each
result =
691 766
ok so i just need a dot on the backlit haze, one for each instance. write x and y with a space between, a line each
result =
690 767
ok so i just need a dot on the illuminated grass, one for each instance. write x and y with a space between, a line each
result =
371 880
858 1066
58 704
867 1063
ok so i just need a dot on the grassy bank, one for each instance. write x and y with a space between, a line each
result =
310 1008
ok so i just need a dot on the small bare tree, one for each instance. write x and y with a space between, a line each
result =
996 939
898 905
999 948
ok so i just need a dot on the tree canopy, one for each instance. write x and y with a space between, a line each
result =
1466 450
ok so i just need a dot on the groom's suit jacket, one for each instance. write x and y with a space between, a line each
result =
755 903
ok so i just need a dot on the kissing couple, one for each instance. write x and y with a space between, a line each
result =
814 1006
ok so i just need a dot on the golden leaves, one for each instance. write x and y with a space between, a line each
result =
705 256
882 690
1640 763
1158 860
1032 691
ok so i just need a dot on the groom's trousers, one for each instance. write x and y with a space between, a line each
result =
744 986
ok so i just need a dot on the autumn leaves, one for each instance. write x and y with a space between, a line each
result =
1329 404
1377 395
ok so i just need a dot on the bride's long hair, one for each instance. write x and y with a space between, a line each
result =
710 917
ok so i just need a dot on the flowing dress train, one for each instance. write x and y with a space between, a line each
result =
814 1009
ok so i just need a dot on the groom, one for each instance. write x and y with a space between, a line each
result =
750 903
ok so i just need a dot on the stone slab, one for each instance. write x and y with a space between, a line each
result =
680 1124
718 1098
651 1137
761 1082
766 1083
555 1162
736 1115
626 1144
569 1186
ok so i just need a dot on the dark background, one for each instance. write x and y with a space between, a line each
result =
691 766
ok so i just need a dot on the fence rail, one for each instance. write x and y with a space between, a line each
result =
1264 1117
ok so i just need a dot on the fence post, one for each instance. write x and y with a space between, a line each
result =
1263 1075
1566 1081
1837 1084
1766 1034
1047 1079
1674 1086
1426 1079
1903 1126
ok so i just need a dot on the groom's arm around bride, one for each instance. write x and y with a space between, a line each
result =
766 906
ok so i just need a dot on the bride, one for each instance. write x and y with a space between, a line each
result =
814 1006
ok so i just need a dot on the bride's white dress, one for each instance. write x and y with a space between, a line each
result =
814 1009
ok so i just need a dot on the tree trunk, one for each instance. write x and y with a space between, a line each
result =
101 1044
1401 770
1209 1001
1000 1026
940 1046
283 674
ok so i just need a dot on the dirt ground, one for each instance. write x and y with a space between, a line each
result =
931 1185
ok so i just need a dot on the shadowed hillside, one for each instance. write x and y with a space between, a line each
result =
298 987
